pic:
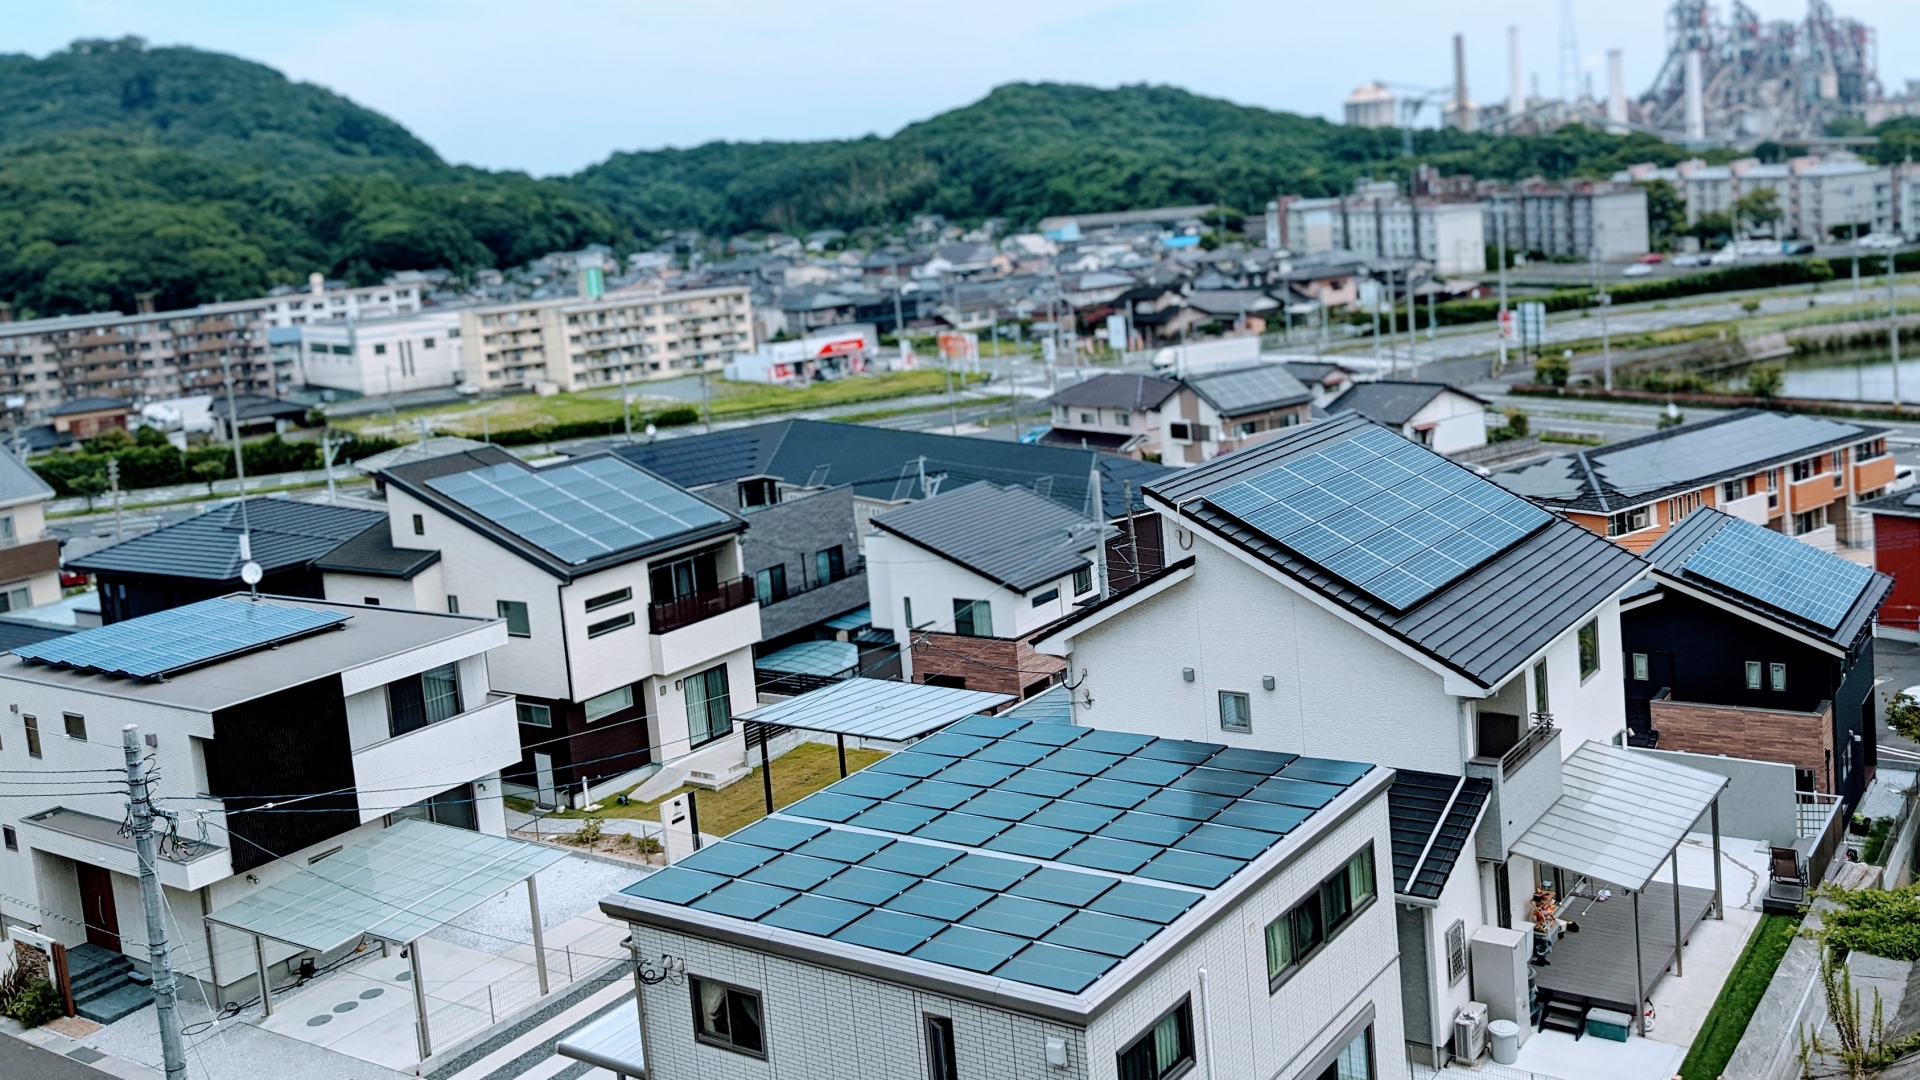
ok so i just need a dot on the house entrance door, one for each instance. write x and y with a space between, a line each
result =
96 906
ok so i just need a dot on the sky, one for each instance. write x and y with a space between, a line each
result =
552 86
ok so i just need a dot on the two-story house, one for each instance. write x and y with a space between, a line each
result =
1117 413
1799 475
1747 643
1339 591
630 617
961 579
360 714
29 559
1226 409
1437 416
1326 379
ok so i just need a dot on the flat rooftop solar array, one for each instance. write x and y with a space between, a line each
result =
155 646
1781 572
579 511
1038 853
1393 520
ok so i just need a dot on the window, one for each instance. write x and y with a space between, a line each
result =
727 1017
1355 1060
1083 581
1540 698
973 618
758 491
609 703
1628 521
829 565
1589 650
77 724
1809 521
453 604
419 525
1731 490
427 343
1048 597
1236 712
940 1060
906 604
533 715
1804 469
1089 418
370 601
1777 676
454 806
1293 938
696 573
618 596
1867 451
1456 952
1164 1050
16 599
426 698
1246 427
1123 418
12 838
1178 431
709 712
1640 667
608 626
515 612
1753 674
7 535
770 585
33 735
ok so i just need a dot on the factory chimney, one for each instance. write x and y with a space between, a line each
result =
1696 102
1462 105
1616 92
1517 93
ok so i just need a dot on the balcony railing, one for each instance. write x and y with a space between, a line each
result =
671 615
1536 737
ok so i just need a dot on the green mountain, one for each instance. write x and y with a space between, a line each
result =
126 169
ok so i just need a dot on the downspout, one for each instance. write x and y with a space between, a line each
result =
1206 1023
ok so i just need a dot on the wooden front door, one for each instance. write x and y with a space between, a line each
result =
96 905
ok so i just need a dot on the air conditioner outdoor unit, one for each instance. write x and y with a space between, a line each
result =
1470 1033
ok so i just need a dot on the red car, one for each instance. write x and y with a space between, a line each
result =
1652 257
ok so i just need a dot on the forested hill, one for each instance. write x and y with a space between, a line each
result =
194 175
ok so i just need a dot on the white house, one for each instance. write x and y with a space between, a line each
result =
961 578
1435 415
630 621
1439 627
1159 920
416 351
379 713
29 558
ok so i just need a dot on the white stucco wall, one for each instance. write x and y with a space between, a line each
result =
898 571
1459 422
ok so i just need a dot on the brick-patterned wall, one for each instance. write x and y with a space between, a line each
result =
1796 738
998 665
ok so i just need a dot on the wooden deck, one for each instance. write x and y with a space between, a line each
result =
1597 962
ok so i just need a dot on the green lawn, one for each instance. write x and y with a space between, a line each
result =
1745 985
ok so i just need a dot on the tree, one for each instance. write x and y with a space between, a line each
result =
1551 370
88 486
1759 208
1903 715
1712 228
1666 213
208 471
1765 381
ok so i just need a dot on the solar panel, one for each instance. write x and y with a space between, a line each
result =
579 511
1393 520
169 642
1781 572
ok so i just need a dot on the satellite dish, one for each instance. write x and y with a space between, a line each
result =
251 574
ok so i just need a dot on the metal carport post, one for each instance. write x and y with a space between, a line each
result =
419 999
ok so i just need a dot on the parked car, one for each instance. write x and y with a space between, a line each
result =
1690 258
1637 270
1724 257
1651 258
1902 478
1880 240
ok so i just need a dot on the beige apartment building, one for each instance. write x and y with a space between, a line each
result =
575 343
45 362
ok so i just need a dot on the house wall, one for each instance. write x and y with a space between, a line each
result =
1711 645
1459 901
1457 422
898 570
1802 740
1896 552
999 665
788 534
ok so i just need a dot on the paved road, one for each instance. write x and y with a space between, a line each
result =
24 1060
1898 663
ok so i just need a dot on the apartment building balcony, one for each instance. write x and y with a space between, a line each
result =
700 626
798 608
407 768
1873 474
23 560
1756 508
1526 781
1815 491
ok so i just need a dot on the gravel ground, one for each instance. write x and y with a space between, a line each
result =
568 888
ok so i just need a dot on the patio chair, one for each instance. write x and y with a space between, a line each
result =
1787 880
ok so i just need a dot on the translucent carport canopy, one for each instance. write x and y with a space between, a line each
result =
397 884
877 709
1620 814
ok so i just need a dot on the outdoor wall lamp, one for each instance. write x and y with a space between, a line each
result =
1186 674
1266 682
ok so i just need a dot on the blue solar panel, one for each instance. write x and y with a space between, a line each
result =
941 900
1780 572
962 829
581 510
1034 841
795 872
1382 515
818 915
966 947
1109 935
890 931
1062 886
168 642
1067 970
864 885
778 834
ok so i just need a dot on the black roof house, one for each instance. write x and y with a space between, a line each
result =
1007 535
1391 403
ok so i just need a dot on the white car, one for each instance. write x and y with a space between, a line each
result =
1724 257
1880 240
1903 478
1637 270
1689 258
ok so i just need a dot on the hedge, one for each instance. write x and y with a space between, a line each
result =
1731 279
151 462
679 416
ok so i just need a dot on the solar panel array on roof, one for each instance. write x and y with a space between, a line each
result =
1781 572
1393 520
157 645
969 817
579 511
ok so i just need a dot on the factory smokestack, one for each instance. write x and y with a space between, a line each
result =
1616 92
1517 92
1696 104
1462 105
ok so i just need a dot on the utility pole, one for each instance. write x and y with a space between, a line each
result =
1500 247
706 402
1413 339
626 413
140 812
113 480
1893 328
328 448
1376 326
1602 301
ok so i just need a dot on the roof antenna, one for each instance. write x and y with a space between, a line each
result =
250 571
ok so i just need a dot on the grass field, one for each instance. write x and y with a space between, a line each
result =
1745 985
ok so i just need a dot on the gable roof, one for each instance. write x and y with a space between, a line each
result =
285 534
1007 535
1236 391
882 463
1431 818
19 483
1315 371
1485 624
1389 402
1640 470
1117 391
372 554
89 405
1669 558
